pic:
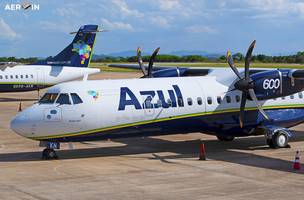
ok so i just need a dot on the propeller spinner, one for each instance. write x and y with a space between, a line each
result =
245 84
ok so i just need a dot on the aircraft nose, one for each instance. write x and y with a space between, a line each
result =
20 124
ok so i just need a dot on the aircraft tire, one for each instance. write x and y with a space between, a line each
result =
225 138
49 154
280 139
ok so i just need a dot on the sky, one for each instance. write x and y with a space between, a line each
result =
213 26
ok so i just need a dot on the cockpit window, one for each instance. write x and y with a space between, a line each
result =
76 99
48 98
63 99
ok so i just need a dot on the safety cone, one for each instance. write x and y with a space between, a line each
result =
202 154
20 107
297 164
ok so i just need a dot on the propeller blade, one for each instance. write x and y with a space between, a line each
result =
151 61
231 64
248 59
254 98
140 62
242 108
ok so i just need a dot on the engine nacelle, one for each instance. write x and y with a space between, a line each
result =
275 83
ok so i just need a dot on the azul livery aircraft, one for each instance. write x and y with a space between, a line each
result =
71 63
225 103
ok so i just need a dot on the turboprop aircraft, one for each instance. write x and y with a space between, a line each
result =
226 103
71 63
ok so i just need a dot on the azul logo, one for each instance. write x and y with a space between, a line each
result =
94 94
128 98
83 50
25 6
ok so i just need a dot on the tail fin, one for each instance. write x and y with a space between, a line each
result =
79 52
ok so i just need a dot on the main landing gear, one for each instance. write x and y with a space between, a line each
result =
278 140
49 152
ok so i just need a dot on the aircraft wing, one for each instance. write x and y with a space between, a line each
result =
135 66
187 71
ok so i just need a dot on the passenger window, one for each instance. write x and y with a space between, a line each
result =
63 99
180 102
228 99
291 96
159 103
48 98
219 100
199 101
169 102
300 95
1 77
76 99
21 76
148 104
237 98
6 76
189 100
283 98
209 100
26 76
12 76
32 76
16 76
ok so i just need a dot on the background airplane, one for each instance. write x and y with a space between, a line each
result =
225 103
71 63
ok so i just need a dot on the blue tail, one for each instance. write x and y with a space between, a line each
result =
78 53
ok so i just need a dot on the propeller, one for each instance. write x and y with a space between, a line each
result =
245 84
147 73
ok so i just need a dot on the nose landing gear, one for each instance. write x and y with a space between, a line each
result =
49 153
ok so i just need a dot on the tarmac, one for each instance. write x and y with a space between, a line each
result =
165 167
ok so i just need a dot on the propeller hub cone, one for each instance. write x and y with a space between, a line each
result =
244 85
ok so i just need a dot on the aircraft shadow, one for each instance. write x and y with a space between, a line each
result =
230 152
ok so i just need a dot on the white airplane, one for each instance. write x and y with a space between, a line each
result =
224 103
71 63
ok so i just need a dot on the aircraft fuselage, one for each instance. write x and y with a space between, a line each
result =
141 107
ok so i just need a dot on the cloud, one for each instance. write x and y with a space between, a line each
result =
125 10
62 27
276 8
116 25
169 4
161 21
6 31
201 29
67 12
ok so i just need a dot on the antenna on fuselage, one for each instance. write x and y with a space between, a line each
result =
85 77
